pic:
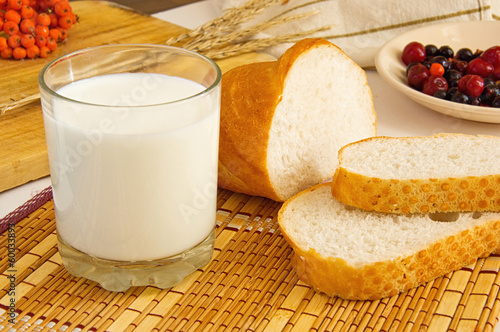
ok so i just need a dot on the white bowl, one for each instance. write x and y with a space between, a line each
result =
474 35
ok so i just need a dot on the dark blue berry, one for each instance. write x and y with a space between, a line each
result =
459 97
431 50
465 54
446 51
442 60
495 102
441 94
451 91
474 101
491 91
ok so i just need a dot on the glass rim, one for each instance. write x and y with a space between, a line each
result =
205 91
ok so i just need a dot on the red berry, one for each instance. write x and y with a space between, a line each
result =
460 65
471 85
492 55
413 52
417 75
479 67
496 74
433 84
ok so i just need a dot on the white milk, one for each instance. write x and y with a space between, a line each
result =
138 183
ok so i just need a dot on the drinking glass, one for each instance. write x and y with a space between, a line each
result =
132 134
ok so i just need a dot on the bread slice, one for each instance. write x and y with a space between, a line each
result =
283 122
360 255
439 173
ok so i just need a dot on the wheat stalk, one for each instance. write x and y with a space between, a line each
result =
224 37
226 22
239 36
4 107
258 44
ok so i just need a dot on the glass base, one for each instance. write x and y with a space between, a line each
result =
118 276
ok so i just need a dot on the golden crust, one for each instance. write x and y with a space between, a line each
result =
334 277
472 193
243 143
461 194
246 120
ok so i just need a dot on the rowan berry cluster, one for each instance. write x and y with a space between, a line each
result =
32 28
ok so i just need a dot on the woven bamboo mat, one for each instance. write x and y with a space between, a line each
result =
249 285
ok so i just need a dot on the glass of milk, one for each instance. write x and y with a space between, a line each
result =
132 133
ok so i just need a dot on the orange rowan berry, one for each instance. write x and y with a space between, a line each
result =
56 34
3 43
27 11
14 4
41 30
13 16
51 43
6 53
10 28
1 24
45 5
27 26
62 8
436 69
73 17
65 22
32 52
14 41
27 40
44 52
19 53
40 41
43 19
64 33
53 20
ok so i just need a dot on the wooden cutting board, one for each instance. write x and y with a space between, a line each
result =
23 153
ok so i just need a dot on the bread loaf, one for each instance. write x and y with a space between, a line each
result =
360 255
283 122
439 173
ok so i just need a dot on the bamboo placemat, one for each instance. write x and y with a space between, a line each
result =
249 285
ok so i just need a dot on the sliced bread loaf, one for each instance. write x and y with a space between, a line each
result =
355 254
439 173
283 122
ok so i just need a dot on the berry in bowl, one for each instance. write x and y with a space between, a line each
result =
464 76
451 68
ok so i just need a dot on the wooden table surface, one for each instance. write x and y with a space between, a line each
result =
153 6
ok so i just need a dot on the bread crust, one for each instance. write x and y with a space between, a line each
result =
430 195
246 120
334 277
243 143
